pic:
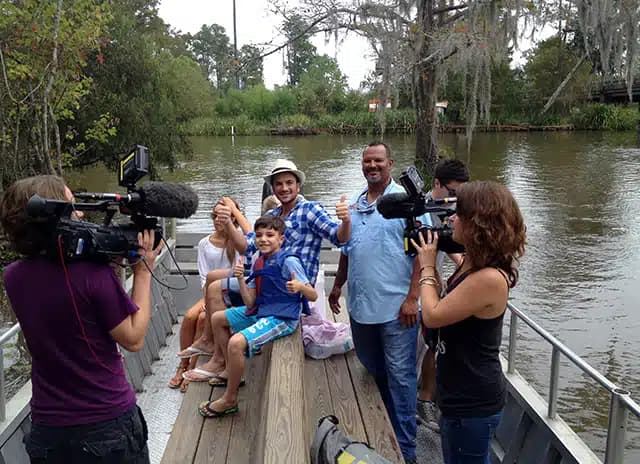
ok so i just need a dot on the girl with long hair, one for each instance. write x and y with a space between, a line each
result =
469 314
216 259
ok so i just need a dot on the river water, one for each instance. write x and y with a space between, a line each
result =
580 196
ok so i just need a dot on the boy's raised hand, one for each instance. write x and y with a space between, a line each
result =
294 286
238 270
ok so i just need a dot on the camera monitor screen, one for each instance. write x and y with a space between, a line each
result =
133 166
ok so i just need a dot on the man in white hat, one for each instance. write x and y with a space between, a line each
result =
308 223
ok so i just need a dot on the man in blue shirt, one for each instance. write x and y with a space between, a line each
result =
383 297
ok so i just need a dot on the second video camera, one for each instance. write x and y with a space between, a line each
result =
415 203
83 240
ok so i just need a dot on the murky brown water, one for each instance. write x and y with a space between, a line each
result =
580 196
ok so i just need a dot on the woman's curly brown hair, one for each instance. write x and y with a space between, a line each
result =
29 235
493 227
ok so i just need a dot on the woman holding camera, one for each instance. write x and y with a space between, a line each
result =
470 383
73 315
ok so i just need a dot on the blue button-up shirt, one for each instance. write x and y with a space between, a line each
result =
308 223
379 272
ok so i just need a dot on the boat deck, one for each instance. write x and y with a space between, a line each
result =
285 395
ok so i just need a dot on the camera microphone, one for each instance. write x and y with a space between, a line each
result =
165 199
395 205
401 205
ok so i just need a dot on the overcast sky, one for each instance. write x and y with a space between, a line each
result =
257 25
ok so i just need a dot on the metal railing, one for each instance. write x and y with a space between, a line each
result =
621 403
4 338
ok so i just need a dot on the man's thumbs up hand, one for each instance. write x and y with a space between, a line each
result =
342 209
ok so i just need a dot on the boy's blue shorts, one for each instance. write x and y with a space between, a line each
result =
258 331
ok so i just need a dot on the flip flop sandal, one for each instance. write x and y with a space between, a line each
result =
205 410
204 375
177 379
191 351
218 381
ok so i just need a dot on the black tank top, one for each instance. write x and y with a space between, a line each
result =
469 376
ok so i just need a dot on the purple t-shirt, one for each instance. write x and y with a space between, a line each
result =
71 385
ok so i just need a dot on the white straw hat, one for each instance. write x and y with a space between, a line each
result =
283 165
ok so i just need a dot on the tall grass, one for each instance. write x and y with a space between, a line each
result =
587 117
599 116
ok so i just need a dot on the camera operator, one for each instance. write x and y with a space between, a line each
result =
83 409
448 176
470 383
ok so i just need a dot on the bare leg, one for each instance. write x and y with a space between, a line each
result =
236 350
222 334
188 333
191 362
212 296
215 304
188 326
427 386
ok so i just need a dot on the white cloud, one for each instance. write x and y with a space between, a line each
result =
257 25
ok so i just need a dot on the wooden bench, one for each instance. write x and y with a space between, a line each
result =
279 408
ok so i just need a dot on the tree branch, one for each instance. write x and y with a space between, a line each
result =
455 17
450 8
563 84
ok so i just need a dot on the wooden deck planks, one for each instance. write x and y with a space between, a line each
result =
185 436
317 395
285 435
379 431
280 408
246 424
343 397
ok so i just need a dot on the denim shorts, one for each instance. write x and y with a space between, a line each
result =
258 331
122 440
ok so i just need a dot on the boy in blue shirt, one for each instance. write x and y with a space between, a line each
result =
276 292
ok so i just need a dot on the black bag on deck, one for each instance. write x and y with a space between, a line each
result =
332 446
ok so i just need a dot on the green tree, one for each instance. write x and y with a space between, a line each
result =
424 38
322 87
145 90
250 66
299 51
547 66
43 48
211 48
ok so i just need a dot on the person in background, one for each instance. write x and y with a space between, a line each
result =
448 176
83 409
269 203
470 384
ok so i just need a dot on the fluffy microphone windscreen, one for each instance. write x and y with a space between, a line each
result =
165 199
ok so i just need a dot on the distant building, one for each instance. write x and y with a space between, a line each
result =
373 105
441 107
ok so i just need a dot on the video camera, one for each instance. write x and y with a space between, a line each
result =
83 240
414 203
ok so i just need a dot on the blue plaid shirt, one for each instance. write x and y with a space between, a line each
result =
308 223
